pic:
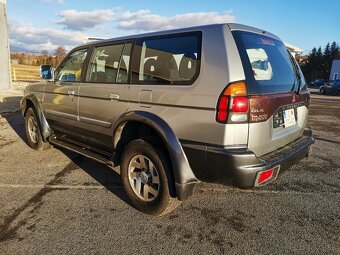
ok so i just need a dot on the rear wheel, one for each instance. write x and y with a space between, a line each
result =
146 178
33 134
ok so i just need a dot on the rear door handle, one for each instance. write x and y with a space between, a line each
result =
70 92
114 96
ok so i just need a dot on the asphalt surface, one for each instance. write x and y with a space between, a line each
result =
57 202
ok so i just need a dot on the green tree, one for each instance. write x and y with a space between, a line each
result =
335 51
327 61
319 62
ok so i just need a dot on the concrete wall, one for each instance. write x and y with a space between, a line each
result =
5 77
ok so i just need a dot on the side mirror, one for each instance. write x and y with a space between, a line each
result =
46 72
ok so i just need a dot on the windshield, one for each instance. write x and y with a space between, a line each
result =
268 65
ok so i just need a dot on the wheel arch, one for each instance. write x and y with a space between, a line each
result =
30 100
184 177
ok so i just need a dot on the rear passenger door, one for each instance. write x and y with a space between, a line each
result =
103 97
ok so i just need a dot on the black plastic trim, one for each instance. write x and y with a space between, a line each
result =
183 174
239 167
44 126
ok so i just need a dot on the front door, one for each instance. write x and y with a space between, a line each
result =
103 97
61 95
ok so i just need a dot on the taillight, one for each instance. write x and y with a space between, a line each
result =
222 109
240 104
233 102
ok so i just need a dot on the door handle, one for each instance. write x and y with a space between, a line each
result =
70 92
114 96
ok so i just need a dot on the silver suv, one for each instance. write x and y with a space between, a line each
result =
219 103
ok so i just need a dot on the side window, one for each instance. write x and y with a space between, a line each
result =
170 59
123 72
71 68
109 64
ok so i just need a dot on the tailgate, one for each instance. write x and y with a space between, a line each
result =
278 99
276 120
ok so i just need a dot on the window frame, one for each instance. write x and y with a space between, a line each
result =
84 67
135 63
109 43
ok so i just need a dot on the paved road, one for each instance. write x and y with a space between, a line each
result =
56 202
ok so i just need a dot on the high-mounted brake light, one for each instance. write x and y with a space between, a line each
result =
233 100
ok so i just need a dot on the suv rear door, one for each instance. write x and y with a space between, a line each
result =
103 97
278 99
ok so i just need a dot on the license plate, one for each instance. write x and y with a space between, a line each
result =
289 118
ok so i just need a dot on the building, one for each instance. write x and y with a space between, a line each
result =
335 71
293 49
5 78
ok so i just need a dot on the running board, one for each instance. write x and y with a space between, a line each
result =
81 150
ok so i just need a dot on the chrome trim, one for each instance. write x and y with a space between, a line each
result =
62 114
95 122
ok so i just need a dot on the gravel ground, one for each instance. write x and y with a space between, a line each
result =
57 202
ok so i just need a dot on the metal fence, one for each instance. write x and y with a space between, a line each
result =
25 73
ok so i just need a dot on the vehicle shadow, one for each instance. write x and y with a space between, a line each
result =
102 174
9 104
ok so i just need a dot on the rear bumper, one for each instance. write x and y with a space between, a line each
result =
239 167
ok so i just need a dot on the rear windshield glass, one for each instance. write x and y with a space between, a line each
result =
267 63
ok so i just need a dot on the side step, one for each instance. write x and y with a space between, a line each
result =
81 150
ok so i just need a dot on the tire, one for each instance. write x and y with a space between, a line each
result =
33 134
322 91
146 178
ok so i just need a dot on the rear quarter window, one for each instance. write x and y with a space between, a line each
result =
168 60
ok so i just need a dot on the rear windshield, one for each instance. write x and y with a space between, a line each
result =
267 63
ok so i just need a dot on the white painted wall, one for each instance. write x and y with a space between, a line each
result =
5 76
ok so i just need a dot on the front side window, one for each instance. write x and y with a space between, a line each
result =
170 59
71 68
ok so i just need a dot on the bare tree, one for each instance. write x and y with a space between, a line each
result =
60 53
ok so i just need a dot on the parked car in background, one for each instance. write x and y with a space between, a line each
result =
317 83
331 87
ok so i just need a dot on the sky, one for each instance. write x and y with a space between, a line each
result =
36 25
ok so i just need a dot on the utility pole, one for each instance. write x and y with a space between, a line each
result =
5 71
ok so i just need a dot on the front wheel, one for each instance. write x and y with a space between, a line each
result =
322 91
146 178
33 134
